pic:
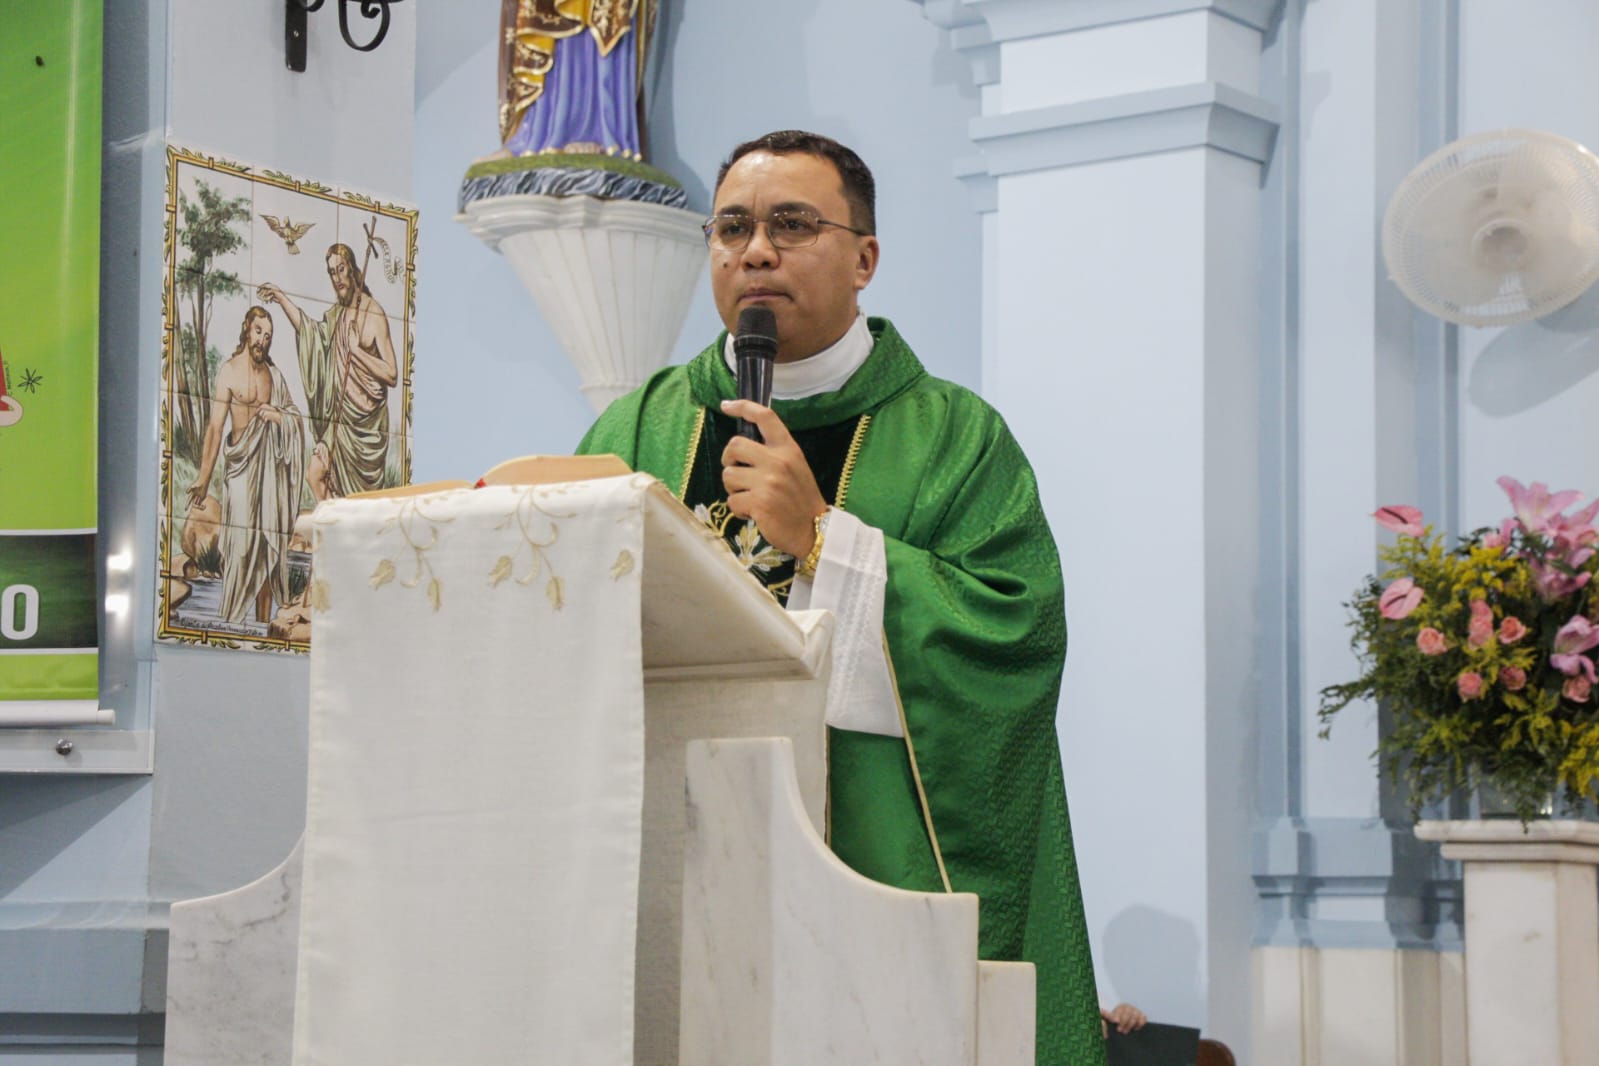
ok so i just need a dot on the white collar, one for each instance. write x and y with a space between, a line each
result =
826 371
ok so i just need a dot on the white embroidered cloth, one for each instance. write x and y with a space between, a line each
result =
433 929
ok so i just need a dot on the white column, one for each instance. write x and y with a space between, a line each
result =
1532 939
1123 144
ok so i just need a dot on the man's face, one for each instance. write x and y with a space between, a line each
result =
260 339
339 274
811 291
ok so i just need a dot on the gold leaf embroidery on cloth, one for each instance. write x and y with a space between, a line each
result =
320 602
419 534
528 516
752 550
534 526
754 553
623 565
383 574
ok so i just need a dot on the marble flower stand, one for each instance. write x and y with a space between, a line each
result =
577 823
1532 939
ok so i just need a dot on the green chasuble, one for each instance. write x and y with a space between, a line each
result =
976 635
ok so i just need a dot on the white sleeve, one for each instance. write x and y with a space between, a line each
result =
851 578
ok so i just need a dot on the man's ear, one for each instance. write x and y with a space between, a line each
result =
866 262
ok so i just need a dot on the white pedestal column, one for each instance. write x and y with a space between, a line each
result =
1532 939
612 277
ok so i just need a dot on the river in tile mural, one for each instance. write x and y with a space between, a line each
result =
288 318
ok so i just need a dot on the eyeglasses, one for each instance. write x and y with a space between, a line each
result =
785 229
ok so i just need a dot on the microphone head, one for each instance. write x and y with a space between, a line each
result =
756 333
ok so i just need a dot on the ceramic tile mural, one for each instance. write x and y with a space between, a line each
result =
288 316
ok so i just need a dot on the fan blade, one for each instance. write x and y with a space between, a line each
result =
1565 264
1458 282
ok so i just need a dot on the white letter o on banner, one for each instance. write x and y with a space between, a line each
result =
8 612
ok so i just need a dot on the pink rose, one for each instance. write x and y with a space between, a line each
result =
1514 678
1511 630
1481 627
1469 684
1400 519
1399 599
1431 642
1577 689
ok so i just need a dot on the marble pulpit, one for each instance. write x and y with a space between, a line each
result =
567 803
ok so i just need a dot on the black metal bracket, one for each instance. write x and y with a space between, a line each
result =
295 27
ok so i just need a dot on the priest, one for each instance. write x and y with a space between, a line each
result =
902 503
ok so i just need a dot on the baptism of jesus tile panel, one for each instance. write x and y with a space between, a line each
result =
242 241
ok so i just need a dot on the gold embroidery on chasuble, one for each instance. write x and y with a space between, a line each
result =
831 451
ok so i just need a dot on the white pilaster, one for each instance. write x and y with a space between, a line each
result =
1122 142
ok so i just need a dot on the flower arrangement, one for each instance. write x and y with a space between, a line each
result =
1484 653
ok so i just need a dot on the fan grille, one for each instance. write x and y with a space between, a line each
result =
1496 228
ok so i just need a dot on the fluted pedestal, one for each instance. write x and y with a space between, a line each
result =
612 277
1532 939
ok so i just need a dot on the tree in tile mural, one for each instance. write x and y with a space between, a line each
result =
309 399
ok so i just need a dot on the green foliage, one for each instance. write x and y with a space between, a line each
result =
207 232
1477 710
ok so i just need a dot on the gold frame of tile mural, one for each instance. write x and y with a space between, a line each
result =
288 314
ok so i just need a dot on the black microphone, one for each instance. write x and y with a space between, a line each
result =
755 349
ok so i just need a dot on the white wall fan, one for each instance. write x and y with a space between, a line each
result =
1496 228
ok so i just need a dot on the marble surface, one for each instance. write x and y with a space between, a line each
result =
675 713
792 959
1007 1019
1532 939
230 973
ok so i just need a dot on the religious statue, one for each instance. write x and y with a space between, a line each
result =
571 104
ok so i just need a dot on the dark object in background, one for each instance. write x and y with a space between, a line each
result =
1153 1045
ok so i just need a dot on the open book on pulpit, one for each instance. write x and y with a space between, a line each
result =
567 803
523 470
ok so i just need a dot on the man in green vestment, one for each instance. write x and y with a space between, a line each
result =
902 503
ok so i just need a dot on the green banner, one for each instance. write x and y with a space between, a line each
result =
49 345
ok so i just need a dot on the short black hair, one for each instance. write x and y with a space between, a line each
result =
860 191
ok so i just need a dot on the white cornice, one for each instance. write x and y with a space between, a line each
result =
1206 115
1013 20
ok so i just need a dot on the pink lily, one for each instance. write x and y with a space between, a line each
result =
1399 599
1575 530
1555 584
1400 519
1574 638
1537 507
1501 538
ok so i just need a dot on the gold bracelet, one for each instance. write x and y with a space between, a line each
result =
807 567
